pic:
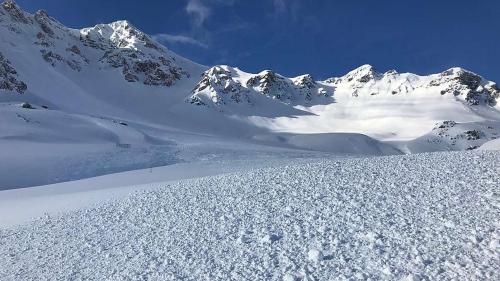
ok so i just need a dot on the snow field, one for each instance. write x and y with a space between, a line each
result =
414 217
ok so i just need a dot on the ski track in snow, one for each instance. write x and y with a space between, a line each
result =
415 217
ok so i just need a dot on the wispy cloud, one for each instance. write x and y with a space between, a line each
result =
199 11
178 39
287 9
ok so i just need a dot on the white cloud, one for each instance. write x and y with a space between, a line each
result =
178 39
198 10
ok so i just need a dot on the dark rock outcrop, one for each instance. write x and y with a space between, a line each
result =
9 80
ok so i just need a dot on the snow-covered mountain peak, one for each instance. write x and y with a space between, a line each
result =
362 74
100 49
123 35
117 68
391 72
305 81
218 86
460 82
223 85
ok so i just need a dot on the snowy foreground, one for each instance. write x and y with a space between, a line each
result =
414 217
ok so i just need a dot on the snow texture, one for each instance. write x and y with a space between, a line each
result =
414 217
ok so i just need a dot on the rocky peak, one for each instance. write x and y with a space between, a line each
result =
217 86
46 22
304 81
462 76
115 45
269 83
218 72
264 79
121 34
212 77
461 82
362 74
16 13
140 58
391 72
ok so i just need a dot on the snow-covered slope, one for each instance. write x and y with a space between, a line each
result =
110 69
91 105
413 217
117 73
389 106
491 145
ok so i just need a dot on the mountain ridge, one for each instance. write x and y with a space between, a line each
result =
117 71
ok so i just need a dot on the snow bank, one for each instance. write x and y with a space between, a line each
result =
491 145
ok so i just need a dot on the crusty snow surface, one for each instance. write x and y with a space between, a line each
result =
424 216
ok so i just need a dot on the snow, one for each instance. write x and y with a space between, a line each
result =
491 145
24 204
219 174
53 146
79 137
420 217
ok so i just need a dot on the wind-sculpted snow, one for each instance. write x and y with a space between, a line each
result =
419 217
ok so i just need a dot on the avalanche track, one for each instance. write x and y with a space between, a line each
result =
416 217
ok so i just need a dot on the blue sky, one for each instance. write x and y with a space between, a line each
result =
324 38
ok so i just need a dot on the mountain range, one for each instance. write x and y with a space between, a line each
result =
112 84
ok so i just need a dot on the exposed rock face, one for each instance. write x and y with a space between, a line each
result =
469 86
9 80
43 19
222 85
363 74
360 78
15 12
115 45
476 90
271 84
217 86
137 66
141 59
305 84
